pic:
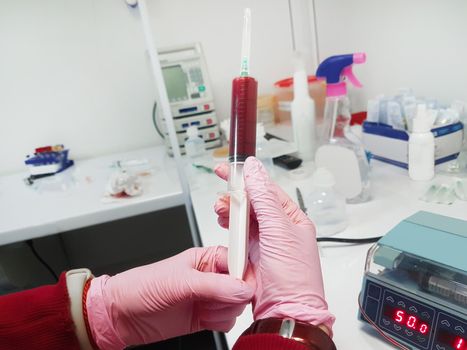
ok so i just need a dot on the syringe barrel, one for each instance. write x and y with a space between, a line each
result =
242 142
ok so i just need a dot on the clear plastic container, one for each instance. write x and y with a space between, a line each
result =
415 274
326 208
194 145
195 149
262 152
265 107
284 96
336 131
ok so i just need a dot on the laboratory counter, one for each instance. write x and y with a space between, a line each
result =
394 198
76 197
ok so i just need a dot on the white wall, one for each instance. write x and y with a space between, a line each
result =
416 43
71 72
76 72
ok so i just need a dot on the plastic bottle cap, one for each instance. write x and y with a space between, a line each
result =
424 119
322 177
300 85
192 132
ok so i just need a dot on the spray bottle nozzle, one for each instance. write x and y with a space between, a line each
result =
335 68
348 73
359 57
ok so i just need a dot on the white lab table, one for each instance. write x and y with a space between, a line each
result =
75 198
394 198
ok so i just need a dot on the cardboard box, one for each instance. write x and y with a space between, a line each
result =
392 146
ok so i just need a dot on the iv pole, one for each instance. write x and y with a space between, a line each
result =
304 31
167 113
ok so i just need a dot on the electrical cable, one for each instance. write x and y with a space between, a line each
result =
154 120
349 240
30 243
375 326
269 136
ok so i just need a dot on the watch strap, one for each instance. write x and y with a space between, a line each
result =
311 336
75 281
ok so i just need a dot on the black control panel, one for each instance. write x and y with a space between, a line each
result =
412 321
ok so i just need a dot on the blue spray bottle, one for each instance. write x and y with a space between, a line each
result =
340 150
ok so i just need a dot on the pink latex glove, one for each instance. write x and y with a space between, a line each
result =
180 295
283 251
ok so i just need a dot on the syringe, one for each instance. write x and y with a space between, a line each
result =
242 144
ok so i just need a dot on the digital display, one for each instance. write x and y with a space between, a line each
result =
407 320
452 340
175 82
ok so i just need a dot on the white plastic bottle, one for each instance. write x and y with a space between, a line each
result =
262 152
422 146
303 114
326 207
195 150
194 145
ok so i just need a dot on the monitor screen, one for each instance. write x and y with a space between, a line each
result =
175 81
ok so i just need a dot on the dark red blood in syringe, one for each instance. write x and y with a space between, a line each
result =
242 143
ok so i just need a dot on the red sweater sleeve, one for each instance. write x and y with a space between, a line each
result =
267 341
36 319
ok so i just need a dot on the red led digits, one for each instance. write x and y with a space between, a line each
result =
460 344
423 328
399 316
411 322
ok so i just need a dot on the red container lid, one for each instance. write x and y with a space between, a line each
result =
358 118
287 82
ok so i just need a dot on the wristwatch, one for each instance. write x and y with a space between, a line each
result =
311 336
75 281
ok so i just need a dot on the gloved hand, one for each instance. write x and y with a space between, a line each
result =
283 251
180 295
